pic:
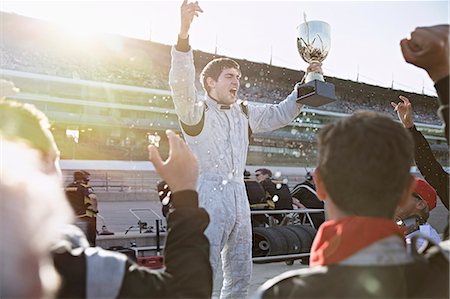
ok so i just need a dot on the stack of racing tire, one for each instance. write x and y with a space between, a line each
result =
283 240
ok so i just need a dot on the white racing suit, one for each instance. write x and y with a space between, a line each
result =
221 146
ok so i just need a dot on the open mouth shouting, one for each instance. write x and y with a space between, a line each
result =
233 92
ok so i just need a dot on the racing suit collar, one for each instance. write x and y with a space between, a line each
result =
213 103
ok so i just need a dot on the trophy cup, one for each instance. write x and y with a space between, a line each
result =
313 44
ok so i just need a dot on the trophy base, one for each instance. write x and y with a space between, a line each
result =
316 93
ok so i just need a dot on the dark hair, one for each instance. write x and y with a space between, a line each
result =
364 162
81 175
214 68
25 122
264 171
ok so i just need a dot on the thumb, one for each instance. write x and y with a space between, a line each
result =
154 157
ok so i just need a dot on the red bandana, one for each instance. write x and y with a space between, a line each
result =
336 240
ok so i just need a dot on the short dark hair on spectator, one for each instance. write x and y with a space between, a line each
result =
214 68
364 162
265 171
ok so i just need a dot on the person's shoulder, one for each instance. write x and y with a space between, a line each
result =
294 284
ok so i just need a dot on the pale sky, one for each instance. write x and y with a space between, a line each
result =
365 35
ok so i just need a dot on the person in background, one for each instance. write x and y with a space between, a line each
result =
428 49
277 192
414 214
84 203
164 194
47 232
426 162
257 199
33 208
363 174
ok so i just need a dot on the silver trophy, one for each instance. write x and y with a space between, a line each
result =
313 44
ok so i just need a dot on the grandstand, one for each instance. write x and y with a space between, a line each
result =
113 93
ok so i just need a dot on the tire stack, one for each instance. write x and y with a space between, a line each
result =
282 240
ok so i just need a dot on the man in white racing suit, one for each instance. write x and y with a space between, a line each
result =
216 128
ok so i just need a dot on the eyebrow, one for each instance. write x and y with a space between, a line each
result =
231 74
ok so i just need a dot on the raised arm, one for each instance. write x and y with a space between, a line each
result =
428 49
182 71
266 118
427 164
188 273
188 11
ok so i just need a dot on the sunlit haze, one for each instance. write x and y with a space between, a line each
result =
365 35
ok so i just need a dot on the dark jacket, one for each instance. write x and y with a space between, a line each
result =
429 167
309 200
255 191
78 195
426 277
442 89
284 195
406 281
188 272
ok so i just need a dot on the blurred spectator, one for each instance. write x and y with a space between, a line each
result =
32 210
413 215
257 199
277 192
84 203
187 273
33 204
427 164
428 48
164 195
255 192
360 252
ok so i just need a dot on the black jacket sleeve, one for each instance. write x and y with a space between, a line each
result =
429 167
183 45
188 272
442 89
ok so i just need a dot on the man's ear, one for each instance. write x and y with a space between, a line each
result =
211 82
409 189
321 190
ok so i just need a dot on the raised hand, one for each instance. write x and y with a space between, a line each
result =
180 170
428 49
188 11
404 111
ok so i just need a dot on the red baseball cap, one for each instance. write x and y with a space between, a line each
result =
426 192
